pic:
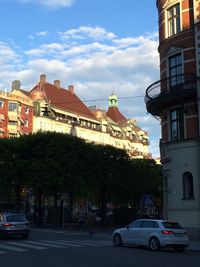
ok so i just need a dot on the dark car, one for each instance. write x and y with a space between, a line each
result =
14 224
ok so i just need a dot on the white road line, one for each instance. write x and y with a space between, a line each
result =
83 242
67 243
22 244
102 242
86 243
49 231
44 244
12 248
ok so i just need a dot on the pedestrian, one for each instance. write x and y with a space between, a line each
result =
90 221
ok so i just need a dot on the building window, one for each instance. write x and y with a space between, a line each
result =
1 103
188 191
176 69
26 123
26 110
12 123
12 106
177 126
174 25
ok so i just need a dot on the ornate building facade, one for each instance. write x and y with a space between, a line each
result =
175 100
53 108
16 113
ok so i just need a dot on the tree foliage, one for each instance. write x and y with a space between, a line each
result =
50 163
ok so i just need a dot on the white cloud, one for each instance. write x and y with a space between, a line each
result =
7 54
44 33
49 3
83 32
97 63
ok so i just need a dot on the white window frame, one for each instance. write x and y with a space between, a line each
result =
26 123
26 110
167 26
1 103
12 103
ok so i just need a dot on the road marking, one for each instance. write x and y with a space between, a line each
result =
57 242
94 243
12 248
49 231
85 243
44 244
102 242
23 244
68 243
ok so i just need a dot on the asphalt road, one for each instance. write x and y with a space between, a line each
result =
53 248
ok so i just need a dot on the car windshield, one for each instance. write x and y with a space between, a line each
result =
16 218
172 225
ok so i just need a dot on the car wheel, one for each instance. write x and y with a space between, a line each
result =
117 240
154 244
179 249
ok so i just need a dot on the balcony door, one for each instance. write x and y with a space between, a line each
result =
175 70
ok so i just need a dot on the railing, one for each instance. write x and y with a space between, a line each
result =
181 82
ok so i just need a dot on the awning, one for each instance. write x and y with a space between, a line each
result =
1 117
2 130
12 117
12 131
128 129
116 128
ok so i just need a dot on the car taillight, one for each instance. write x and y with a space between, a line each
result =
7 224
167 232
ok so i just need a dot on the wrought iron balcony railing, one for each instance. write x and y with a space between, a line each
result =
171 85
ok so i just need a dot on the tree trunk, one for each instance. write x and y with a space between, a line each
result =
71 202
103 206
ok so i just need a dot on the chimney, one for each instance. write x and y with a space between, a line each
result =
43 78
57 83
16 85
71 88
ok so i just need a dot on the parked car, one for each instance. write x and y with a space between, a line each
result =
14 224
154 234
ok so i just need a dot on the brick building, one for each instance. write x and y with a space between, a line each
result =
174 99
16 113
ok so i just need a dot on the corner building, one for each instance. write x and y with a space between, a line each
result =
175 100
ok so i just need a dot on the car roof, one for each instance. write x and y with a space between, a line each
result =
11 213
157 220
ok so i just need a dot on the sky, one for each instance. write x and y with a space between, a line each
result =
99 46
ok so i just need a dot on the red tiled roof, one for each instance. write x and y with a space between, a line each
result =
115 114
65 100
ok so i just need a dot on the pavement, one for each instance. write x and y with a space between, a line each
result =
194 245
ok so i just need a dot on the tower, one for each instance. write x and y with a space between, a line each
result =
174 99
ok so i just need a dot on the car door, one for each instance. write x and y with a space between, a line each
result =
133 232
148 227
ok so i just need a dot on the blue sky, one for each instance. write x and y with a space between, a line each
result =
100 46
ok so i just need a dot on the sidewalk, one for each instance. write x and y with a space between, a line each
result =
194 245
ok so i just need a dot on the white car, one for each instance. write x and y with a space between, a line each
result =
12 224
154 234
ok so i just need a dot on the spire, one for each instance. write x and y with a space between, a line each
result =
113 100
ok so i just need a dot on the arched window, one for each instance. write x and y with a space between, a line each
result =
188 191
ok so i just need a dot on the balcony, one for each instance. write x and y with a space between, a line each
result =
172 90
